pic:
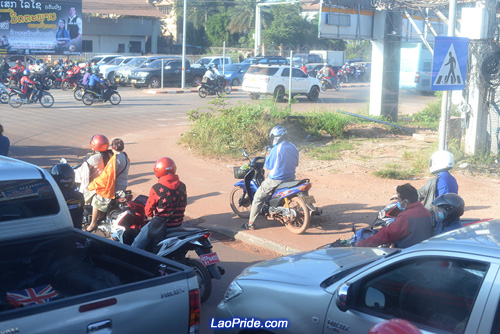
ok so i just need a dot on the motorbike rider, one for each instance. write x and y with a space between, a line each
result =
304 68
27 84
96 82
210 76
76 70
329 74
110 184
19 69
394 326
281 162
86 76
448 209
442 183
64 176
38 67
412 225
166 203
4 69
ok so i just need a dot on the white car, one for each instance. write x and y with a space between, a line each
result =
108 70
275 80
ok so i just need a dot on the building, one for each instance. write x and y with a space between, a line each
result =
120 26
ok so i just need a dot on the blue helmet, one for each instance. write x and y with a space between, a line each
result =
277 135
26 73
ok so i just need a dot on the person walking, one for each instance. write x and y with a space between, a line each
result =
4 143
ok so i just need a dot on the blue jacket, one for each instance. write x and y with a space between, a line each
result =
94 79
441 228
282 161
446 183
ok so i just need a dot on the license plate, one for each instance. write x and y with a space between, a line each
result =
209 259
309 199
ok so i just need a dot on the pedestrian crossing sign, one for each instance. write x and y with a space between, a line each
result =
449 64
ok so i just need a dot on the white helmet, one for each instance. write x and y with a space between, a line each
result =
441 161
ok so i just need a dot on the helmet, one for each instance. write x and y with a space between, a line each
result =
26 73
448 207
64 175
209 67
99 143
164 166
277 135
18 62
394 326
441 161
60 61
37 61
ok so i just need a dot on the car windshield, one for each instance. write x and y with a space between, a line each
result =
155 64
152 61
126 61
250 61
27 198
136 62
116 61
233 68
256 70
96 59
203 61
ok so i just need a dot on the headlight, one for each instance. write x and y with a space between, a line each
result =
232 291
142 74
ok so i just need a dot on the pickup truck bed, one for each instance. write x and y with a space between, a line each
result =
98 282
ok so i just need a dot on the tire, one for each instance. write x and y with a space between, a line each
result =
313 94
240 205
154 83
302 218
65 85
48 82
87 99
47 100
228 89
196 81
4 98
220 91
115 98
57 84
324 87
14 100
254 96
203 277
279 94
111 76
78 94
136 86
202 92
235 82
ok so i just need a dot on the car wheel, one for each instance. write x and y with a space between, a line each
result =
196 81
313 94
254 96
235 82
111 76
279 94
155 83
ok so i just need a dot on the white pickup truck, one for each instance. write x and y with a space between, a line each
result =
56 279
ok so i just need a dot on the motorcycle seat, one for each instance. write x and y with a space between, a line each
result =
290 184
180 231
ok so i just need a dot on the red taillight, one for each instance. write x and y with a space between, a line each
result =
194 312
304 187
417 77
207 235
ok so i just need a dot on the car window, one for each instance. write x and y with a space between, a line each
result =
268 71
434 292
126 61
116 61
137 62
286 72
297 73
203 61
175 64
233 68
26 199
154 64
216 62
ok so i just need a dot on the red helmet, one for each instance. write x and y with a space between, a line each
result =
165 166
18 61
99 143
394 326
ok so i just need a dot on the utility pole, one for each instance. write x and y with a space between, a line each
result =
183 66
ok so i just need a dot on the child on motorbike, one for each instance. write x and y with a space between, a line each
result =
166 203
26 85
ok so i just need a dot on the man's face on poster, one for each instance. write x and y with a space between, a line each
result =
72 11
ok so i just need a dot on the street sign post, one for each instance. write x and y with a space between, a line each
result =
449 64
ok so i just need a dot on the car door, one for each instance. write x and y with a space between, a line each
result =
172 72
438 293
300 81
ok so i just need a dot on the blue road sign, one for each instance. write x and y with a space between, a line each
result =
449 64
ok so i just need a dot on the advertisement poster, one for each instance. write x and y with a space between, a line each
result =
40 27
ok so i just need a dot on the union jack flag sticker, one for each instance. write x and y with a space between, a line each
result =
32 296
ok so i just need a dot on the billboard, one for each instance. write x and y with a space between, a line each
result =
40 27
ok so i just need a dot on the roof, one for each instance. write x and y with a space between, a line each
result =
121 7
12 169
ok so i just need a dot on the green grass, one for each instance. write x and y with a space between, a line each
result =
332 151
395 172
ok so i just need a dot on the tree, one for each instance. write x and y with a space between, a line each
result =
288 26
216 29
243 17
359 49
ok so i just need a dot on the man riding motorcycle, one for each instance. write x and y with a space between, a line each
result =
166 203
448 209
26 84
64 176
211 75
281 162
329 74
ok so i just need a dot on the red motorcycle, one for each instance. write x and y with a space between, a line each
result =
70 81
14 78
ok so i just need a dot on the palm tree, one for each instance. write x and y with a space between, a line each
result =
243 17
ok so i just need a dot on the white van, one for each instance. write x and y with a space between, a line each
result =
205 61
416 68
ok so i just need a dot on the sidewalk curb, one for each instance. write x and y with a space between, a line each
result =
254 240
177 91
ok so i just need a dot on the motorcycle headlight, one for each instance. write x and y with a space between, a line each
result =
232 291
381 214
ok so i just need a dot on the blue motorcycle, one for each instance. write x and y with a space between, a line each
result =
290 202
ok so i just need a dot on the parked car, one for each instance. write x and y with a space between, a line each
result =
150 76
103 59
218 61
234 73
305 58
122 74
447 284
108 70
271 60
274 80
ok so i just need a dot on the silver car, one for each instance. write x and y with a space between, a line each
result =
447 284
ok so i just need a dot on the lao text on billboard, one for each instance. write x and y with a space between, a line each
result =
40 27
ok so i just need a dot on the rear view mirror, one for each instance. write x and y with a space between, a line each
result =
168 67
342 300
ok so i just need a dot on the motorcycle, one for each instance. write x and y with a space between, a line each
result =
4 94
78 91
14 78
290 202
222 86
70 80
327 84
54 78
126 219
93 95
18 98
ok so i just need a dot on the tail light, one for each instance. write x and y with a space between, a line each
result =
194 312
417 77
304 187
207 235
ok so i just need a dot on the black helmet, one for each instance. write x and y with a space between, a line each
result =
64 175
448 207
277 135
